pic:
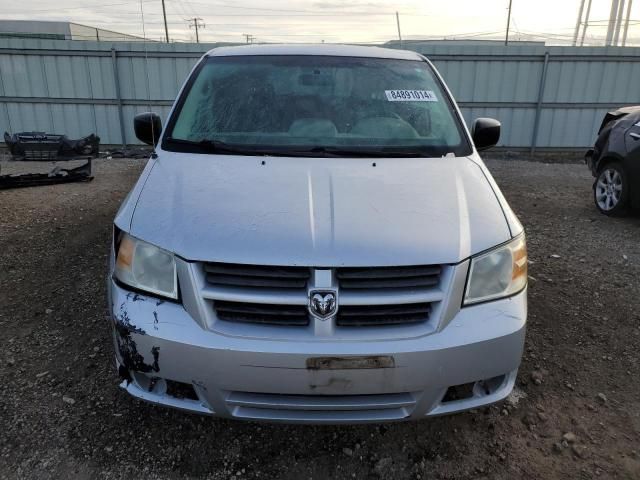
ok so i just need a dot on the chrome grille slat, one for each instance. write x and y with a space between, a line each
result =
389 296
320 402
320 416
268 296
255 281
410 282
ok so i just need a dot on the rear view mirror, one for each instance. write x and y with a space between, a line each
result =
148 127
485 133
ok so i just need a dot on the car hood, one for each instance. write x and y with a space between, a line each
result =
318 211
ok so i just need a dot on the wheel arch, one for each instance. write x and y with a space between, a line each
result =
607 160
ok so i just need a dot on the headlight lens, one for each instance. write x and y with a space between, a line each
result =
146 267
498 273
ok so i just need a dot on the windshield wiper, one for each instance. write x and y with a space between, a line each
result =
216 146
368 152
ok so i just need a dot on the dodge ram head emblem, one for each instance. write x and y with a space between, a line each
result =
322 304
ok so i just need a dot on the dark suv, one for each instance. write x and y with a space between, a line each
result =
615 162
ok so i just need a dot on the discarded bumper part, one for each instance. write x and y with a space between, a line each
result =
138 153
57 175
48 147
43 147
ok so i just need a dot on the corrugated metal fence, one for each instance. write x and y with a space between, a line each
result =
545 97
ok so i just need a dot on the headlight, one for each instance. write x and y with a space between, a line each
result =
146 267
498 273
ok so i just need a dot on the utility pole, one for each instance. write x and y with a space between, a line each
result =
166 29
578 23
612 22
616 36
586 23
197 22
250 38
399 33
506 38
626 24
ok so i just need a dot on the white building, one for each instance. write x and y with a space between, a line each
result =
60 31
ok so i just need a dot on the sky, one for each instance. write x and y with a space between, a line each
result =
331 21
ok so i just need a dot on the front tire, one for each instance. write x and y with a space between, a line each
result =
611 190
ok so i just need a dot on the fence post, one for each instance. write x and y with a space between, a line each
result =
536 121
5 104
116 82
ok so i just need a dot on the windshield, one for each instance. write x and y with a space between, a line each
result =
322 105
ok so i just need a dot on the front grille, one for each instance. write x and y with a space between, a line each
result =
290 315
279 295
41 155
414 277
378 315
256 276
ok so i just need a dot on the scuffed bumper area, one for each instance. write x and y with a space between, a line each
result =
167 358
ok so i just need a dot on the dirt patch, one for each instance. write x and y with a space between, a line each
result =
575 414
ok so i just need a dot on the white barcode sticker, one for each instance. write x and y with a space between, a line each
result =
411 96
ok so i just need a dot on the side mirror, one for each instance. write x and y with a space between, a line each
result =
485 133
148 127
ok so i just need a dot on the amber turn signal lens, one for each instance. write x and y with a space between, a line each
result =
519 253
125 252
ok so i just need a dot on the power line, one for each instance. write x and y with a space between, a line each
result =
180 10
288 12
193 10
283 10
84 7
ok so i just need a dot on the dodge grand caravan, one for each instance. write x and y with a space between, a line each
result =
315 239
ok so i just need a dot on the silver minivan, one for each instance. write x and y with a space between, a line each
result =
315 239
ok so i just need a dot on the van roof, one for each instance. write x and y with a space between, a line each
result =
317 49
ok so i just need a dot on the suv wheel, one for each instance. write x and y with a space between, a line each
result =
611 190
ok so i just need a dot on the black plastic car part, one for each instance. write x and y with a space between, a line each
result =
46 147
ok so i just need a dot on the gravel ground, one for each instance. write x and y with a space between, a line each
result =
574 414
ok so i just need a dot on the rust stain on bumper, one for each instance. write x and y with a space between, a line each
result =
350 363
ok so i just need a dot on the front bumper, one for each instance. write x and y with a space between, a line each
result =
171 360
